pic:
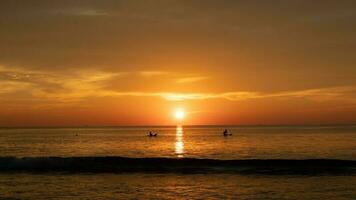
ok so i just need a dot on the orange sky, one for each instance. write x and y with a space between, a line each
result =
74 63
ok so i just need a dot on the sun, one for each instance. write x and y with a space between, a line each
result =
179 114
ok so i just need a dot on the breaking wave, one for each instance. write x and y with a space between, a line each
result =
175 165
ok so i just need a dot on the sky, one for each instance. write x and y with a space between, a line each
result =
133 62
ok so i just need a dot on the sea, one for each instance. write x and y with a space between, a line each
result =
181 162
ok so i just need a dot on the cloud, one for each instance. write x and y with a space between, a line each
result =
60 87
153 73
10 86
347 93
79 12
81 84
320 94
191 79
329 17
178 77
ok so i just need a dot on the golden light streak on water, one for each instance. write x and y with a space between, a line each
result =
179 145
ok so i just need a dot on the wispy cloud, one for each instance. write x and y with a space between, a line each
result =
177 77
79 12
76 86
10 86
60 87
347 93
327 17
191 79
153 73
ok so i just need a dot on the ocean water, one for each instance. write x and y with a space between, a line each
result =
289 143
175 186
294 142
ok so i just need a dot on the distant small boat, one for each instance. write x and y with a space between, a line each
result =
226 133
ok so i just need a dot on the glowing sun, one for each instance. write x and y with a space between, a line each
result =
179 114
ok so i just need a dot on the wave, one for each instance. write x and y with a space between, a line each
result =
116 164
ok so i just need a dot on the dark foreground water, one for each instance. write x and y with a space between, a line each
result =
175 186
290 162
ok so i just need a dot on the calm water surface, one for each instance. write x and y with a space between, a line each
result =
173 186
197 142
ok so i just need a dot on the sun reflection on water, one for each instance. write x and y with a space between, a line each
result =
179 145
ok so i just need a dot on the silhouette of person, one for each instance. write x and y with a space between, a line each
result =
226 133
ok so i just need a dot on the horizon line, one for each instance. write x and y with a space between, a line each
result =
188 125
